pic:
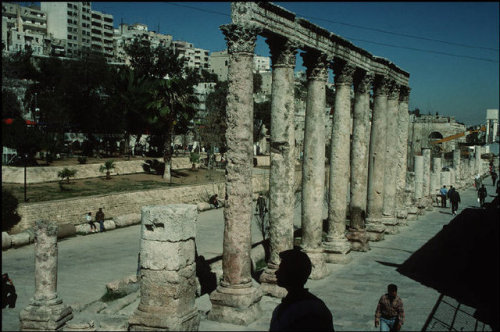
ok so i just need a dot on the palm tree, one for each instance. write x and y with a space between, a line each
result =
66 173
108 166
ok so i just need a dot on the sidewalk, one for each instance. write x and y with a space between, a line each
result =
350 291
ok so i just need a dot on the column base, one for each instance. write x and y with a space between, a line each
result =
412 210
268 283
163 321
337 250
391 225
402 213
45 315
235 305
375 231
318 261
359 240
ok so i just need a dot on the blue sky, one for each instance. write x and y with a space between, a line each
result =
453 86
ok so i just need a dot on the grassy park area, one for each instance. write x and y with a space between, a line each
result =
39 192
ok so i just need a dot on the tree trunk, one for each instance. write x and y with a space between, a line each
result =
167 153
137 142
126 148
108 175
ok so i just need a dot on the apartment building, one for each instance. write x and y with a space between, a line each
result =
101 34
125 34
219 62
22 26
194 57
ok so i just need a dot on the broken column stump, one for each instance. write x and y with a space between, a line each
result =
46 310
168 270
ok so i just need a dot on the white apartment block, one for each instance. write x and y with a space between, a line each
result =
219 61
22 26
201 91
194 57
101 34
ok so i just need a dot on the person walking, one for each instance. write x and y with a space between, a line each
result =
99 217
390 313
454 197
299 310
477 181
9 295
494 177
443 191
214 201
88 217
481 195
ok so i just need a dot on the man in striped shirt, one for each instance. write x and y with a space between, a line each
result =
390 314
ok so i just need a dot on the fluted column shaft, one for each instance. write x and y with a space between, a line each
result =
456 166
337 246
419 176
477 163
426 189
391 158
313 169
281 191
359 151
377 151
402 136
436 176
236 300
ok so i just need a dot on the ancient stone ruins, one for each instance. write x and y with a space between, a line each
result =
371 169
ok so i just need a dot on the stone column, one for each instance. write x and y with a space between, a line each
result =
456 166
477 164
337 246
419 177
313 169
426 188
436 176
281 191
391 161
46 310
168 270
402 166
376 162
359 161
236 300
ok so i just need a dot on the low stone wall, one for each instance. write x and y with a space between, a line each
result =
73 210
41 174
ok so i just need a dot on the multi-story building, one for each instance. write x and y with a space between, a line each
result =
194 57
101 34
22 26
201 91
218 63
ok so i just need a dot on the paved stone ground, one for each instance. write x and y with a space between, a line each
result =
87 263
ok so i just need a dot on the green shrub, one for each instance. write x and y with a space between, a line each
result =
66 173
82 159
9 210
194 157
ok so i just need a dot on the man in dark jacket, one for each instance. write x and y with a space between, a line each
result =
454 197
481 194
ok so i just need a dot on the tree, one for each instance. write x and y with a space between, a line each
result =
213 128
66 173
170 91
108 166
10 105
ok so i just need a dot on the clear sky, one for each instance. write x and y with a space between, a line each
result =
461 86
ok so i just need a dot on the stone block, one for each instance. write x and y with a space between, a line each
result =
31 232
66 230
359 240
20 239
123 286
108 225
80 324
146 321
45 317
6 240
111 323
203 206
127 219
172 256
175 222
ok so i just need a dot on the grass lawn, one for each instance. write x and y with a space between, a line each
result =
39 192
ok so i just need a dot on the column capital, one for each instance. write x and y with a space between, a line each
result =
393 92
316 64
363 81
380 85
404 93
344 72
283 51
240 38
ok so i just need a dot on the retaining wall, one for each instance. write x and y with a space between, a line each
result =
73 210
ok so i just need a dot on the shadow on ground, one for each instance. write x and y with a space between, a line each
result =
461 262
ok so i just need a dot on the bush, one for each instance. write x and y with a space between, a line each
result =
66 173
9 210
82 159
194 157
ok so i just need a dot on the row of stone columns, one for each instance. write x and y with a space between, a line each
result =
236 300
